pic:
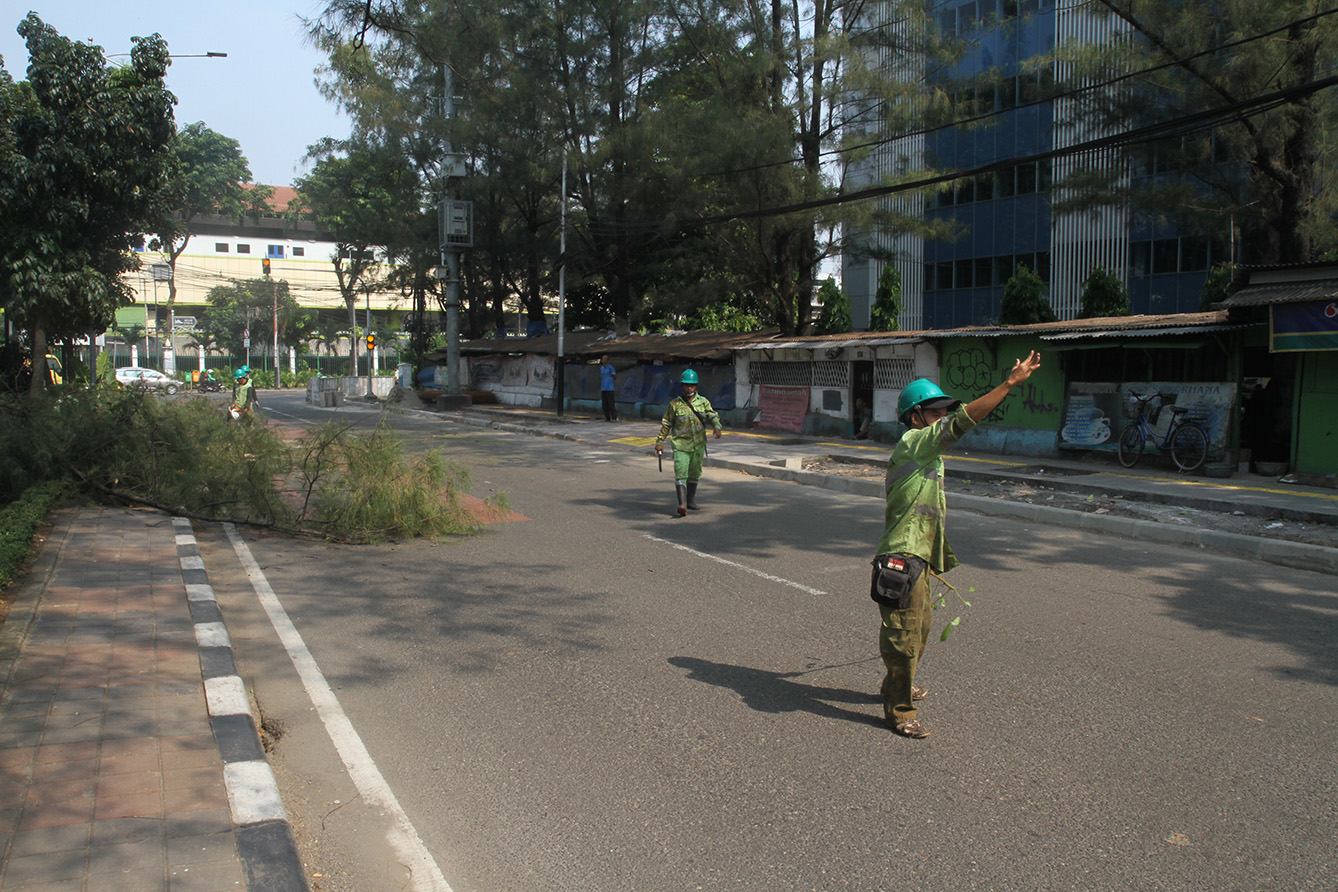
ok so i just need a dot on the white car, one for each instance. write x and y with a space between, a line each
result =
146 379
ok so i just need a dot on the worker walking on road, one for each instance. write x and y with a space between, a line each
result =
913 540
684 425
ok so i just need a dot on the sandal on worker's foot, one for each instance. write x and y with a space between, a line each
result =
918 693
912 729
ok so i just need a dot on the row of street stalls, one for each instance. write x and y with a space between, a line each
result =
1289 362
1220 366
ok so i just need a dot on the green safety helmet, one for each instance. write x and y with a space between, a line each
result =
922 392
240 373
689 377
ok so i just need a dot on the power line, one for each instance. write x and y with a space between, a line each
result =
927 131
1149 133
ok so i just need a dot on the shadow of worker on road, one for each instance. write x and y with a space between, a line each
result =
774 692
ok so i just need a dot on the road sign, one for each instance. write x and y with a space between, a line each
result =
184 322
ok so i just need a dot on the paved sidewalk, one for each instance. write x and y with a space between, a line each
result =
117 771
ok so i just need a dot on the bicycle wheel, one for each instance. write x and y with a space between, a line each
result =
1131 445
1189 446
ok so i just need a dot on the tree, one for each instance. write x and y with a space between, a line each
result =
207 176
85 152
1269 167
1103 294
362 193
1024 301
835 315
887 301
225 321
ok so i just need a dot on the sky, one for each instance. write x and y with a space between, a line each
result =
263 94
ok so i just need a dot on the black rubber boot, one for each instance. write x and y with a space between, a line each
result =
682 509
692 495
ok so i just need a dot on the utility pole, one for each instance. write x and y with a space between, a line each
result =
456 225
562 295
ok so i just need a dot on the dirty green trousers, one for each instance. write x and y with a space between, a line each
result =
901 642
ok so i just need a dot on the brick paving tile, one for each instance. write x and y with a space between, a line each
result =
119 830
128 783
57 814
190 799
128 805
199 823
211 847
133 763
146 880
50 839
206 878
125 856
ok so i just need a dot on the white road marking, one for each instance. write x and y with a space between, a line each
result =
424 875
738 566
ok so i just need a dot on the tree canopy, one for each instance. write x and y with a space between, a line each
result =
85 151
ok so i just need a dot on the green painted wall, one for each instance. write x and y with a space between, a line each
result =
971 367
1316 428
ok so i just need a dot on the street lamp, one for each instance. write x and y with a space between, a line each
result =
162 272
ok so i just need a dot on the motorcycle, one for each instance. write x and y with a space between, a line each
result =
210 385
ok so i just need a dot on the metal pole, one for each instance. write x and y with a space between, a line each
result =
451 257
278 376
368 292
562 295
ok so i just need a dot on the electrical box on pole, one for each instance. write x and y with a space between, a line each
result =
455 223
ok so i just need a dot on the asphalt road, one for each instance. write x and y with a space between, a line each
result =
598 695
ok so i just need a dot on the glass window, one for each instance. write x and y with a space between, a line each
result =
1008 94
985 187
243 249
929 277
275 251
1003 183
966 191
220 247
1140 259
947 22
1026 179
1164 256
984 269
964 270
966 17
1193 254
1042 266
943 273
1003 268
299 252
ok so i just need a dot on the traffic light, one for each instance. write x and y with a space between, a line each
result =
371 341
264 264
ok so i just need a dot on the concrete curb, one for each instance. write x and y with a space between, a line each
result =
265 840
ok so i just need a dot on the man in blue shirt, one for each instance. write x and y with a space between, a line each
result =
607 388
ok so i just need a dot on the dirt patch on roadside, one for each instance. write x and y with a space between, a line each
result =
1119 506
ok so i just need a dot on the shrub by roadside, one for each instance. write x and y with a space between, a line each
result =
19 521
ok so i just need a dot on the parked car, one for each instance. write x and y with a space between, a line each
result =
146 379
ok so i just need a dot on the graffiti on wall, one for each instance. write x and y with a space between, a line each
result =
969 372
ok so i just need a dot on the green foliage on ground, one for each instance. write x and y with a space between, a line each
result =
19 521
185 456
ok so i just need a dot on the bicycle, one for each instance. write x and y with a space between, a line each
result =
1186 440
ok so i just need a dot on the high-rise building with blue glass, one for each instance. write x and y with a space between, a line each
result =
1006 216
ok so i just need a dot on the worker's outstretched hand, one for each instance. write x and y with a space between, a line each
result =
1023 368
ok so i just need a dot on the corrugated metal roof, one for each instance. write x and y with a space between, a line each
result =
820 343
1144 332
1260 294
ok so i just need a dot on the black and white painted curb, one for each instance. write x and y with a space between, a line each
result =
265 839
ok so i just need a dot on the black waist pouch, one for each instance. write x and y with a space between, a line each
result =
894 576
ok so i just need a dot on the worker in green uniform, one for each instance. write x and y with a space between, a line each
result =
244 400
913 538
684 425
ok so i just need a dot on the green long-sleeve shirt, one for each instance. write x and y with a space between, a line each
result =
681 426
916 501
